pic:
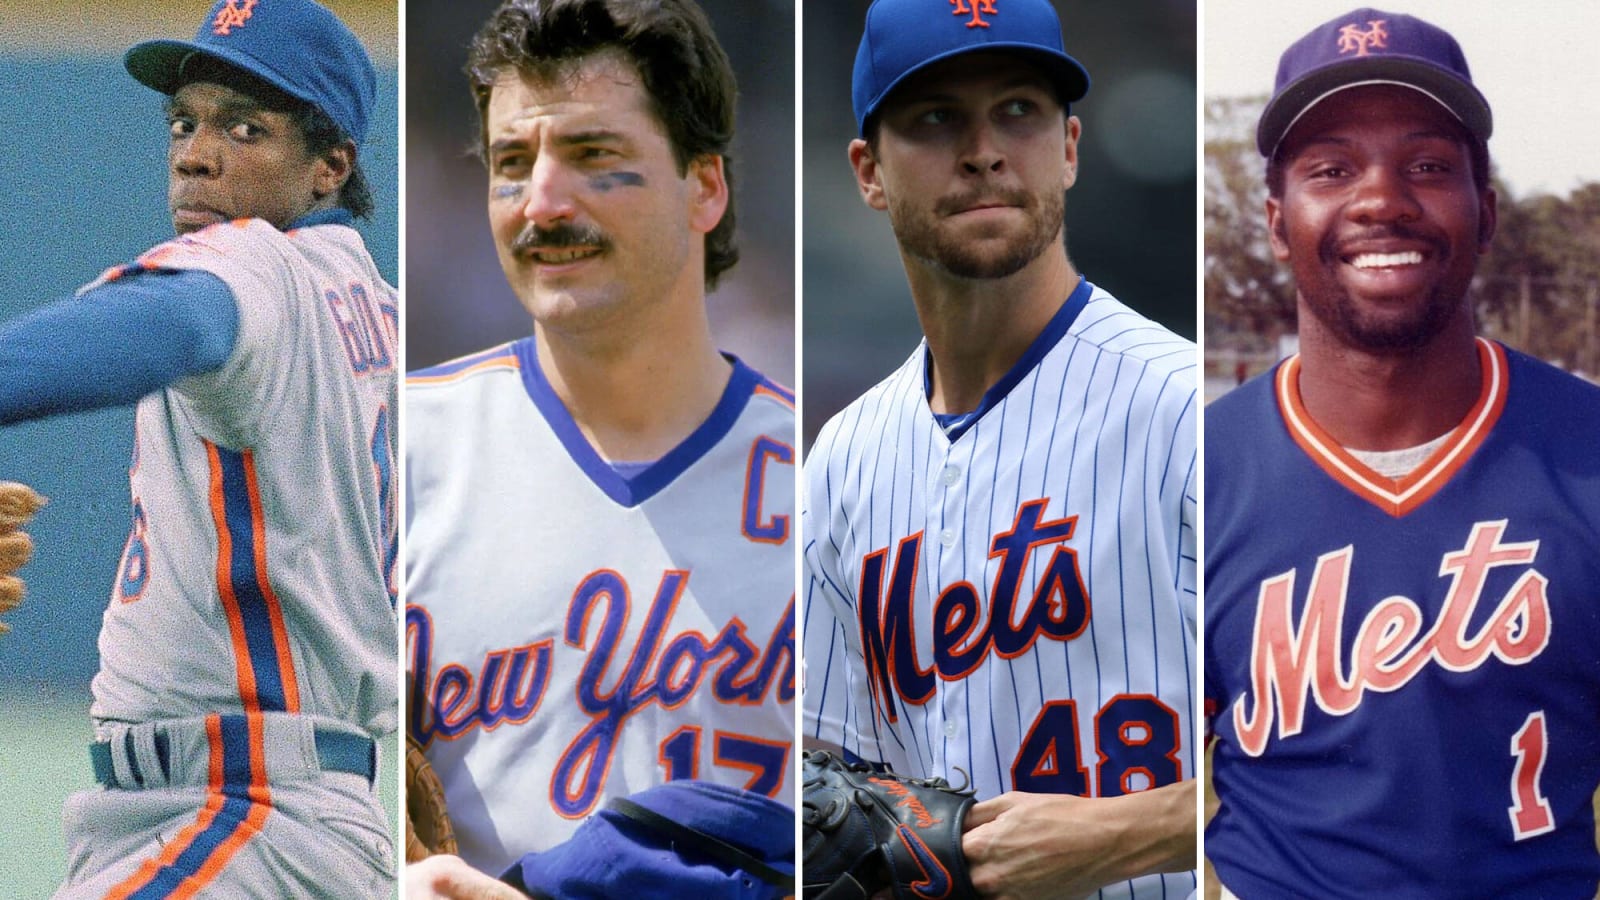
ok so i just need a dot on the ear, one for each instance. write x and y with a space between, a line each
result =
1277 236
1074 131
869 178
333 169
708 192
1488 217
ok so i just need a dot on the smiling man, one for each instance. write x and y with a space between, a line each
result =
1403 520
999 537
247 657
600 572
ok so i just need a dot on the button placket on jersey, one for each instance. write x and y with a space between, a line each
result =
948 494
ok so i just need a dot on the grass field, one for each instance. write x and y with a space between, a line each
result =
43 758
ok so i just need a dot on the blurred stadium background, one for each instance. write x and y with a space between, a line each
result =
83 187
457 300
1130 217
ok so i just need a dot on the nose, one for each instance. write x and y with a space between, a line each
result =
549 195
197 154
981 153
1382 195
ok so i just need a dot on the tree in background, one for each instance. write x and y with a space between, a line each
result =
1538 289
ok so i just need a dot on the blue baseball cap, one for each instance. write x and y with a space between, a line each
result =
902 37
1369 46
705 840
297 46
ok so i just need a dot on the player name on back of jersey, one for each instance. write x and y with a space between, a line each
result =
1058 608
1290 665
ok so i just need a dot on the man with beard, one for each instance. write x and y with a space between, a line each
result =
1403 520
999 537
599 567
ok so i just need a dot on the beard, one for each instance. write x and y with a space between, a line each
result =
1381 334
920 234
1408 327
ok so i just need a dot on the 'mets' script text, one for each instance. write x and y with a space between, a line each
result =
1288 664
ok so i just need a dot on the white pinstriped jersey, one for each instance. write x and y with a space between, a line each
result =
578 634
1015 598
255 577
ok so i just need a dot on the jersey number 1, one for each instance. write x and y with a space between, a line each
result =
1530 811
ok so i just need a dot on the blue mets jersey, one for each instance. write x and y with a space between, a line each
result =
1404 674
577 632
1013 596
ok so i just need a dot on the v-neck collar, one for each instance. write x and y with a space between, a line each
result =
954 425
1397 496
743 383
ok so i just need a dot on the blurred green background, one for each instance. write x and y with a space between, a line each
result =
83 187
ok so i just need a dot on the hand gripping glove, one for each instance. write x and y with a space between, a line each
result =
18 503
867 831
428 828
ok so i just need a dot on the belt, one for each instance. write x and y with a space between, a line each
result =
337 751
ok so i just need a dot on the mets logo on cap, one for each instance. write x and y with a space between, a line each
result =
1353 39
233 14
978 8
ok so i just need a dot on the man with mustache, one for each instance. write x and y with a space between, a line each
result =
1402 519
247 656
599 571
999 537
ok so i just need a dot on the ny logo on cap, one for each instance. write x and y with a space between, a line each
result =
1351 37
977 8
232 15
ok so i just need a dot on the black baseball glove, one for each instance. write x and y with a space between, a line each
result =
867 831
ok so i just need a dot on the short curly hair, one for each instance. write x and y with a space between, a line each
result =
685 72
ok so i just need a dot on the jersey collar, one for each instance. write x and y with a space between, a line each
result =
337 215
632 491
957 424
1397 496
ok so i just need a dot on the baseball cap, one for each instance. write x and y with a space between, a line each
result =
903 37
1369 46
704 840
297 46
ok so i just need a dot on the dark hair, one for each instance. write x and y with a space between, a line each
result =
685 73
1477 155
320 133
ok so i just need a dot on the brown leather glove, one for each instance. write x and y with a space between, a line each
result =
18 503
428 828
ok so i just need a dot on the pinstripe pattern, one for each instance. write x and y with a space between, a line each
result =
1099 423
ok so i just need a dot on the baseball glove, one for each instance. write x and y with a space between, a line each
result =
867 831
18 503
428 828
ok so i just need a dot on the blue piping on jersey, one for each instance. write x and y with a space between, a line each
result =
631 492
957 424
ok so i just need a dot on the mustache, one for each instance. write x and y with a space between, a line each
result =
1332 247
1003 196
564 234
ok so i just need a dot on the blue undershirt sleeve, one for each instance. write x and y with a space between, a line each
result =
115 344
